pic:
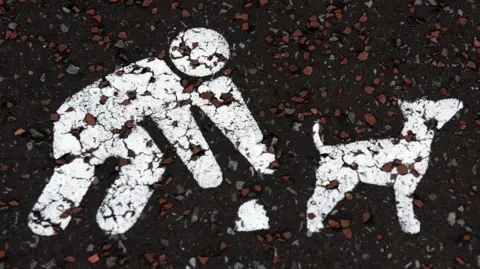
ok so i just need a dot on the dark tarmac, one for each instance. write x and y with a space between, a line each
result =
295 62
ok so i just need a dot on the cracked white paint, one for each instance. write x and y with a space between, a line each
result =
101 120
208 52
398 162
251 217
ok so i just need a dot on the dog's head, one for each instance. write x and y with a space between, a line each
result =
422 110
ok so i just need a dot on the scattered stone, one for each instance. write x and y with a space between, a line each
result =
164 242
72 69
12 26
94 258
366 217
363 56
308 70
120 44
122 35
147 3
64 28
232 165
111 261
452 162
203 260
70 259
36 134
451 218
286 234
290 111
371 120
348 233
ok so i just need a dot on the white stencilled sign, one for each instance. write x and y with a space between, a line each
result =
101 120
400 163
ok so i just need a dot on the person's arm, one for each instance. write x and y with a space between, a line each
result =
182 131
222 102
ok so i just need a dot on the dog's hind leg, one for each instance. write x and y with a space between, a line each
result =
330 189
404 187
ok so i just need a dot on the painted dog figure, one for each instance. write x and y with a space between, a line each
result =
398 162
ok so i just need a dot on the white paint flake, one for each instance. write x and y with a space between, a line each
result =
398 162
101 121
252 217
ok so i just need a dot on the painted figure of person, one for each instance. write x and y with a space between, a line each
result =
101 121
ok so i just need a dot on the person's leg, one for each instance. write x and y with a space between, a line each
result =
129 194
70 181
64 191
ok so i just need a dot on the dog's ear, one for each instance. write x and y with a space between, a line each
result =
443 110
415 107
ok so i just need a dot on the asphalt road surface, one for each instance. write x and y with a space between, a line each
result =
342 63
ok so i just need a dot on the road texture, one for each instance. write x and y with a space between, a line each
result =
342 63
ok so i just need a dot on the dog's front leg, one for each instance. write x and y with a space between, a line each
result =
333 182
404 187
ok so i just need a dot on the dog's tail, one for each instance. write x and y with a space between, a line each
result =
316 136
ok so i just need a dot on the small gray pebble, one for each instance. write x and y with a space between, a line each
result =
120 44
72 69
12 26
451 218
111 262
64 28
290 111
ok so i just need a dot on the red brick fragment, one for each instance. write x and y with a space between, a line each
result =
471 65
122 35
363 56
147 3
90 119
69 259
366 217
370 119
94 258
202 259
263 2
418 203
308 70
348 233
241 16
297 33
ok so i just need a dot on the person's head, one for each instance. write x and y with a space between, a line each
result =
199 52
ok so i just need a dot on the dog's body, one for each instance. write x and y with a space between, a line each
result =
398 162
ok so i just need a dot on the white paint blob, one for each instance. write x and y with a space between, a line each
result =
400 163
252 217
101 121
199 52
